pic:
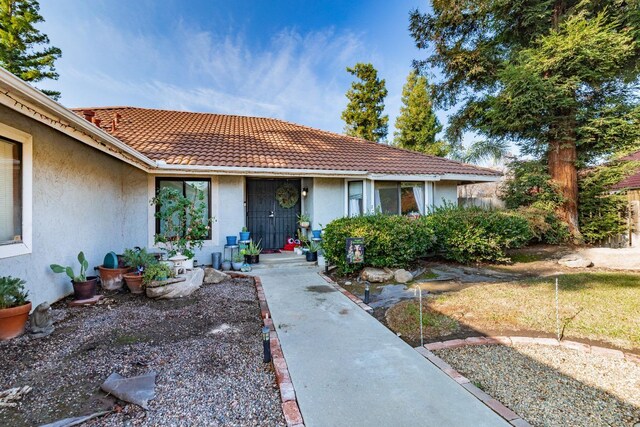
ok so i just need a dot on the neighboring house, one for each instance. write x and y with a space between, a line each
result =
82 179
631 185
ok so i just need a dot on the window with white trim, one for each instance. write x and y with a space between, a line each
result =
356 198
399 198
10 192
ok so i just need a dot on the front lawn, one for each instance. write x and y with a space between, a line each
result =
593 306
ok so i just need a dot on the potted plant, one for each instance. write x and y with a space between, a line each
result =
14 307
183 222
138 260
312 253
84 287
232 240
157 272
252 253
304 221
111 274
245 234
238 260
226 265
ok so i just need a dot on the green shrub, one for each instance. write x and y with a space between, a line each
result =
545 225
12 293
473 234
390 241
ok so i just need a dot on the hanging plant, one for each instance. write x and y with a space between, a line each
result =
287 196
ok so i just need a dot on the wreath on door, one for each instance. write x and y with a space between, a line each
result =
287 196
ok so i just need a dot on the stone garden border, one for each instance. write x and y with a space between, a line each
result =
290 407
510 340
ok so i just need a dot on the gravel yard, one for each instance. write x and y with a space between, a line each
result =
206 350
553 386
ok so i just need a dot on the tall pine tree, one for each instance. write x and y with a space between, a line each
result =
363 116
417 125
557 77
20 41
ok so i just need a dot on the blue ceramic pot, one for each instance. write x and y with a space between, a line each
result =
244 235
316 233
232 240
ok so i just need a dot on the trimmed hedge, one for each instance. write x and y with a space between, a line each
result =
474 234
390 240
460 234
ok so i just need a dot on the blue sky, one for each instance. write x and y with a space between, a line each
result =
283 59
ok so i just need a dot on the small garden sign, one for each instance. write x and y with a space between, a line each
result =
355 250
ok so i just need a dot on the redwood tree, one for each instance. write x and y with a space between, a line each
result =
556 77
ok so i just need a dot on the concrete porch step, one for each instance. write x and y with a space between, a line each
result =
282 260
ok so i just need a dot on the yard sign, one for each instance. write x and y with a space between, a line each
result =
355 250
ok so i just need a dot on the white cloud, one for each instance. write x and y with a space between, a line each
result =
296 76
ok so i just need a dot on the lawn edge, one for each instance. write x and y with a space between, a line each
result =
511 340
288 397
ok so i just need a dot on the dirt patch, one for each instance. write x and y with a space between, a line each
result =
206 378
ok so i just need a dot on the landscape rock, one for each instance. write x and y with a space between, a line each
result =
177 289
213 276
402 276
575 261
376 275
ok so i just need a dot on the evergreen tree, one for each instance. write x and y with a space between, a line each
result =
417 125
20 40
363 116
557 77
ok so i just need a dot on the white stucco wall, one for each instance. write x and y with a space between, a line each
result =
83 200
445 191
328 200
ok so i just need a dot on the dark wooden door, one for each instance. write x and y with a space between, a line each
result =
267 220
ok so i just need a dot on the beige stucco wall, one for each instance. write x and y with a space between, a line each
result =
328 200
83 200
445 192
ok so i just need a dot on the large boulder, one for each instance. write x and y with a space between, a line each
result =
213 276
575 261
376 275
181 286
402 276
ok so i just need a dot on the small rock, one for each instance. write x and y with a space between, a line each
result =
402 276
376 275
211 275
347 283
575 261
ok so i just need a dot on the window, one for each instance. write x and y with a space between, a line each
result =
10 192
190 188
399 198
356 201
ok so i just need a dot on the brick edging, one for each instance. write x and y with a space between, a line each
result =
290 407
511 340
346 293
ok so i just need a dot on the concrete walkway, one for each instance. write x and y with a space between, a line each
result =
350 370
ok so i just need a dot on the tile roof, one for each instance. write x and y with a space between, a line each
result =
630 182
185 138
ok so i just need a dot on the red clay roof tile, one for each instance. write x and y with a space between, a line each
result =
205 139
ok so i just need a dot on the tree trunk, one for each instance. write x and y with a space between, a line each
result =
563 171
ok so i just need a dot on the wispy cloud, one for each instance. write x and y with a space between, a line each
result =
295 76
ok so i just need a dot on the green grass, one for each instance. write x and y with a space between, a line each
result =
596 306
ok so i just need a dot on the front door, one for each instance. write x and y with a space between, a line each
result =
272 209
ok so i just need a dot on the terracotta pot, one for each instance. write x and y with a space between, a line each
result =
13 321
86 289
134 282
111 278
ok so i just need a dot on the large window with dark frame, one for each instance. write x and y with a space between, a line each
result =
10 192
399 198
190 188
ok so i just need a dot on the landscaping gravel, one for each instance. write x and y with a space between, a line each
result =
206 350
553 386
